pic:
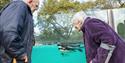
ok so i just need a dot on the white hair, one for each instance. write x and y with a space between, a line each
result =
24 0
79 16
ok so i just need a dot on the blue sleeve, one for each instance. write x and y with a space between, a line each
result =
13 18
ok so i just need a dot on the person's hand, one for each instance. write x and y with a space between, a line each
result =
25 58
90 61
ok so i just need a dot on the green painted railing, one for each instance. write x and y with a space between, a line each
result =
51 54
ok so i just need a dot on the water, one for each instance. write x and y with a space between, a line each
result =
51 54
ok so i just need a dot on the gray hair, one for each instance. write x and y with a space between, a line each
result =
79 16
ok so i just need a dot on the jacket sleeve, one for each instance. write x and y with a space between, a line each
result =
13 19
104 36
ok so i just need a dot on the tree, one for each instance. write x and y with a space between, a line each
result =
56 29
66 6
56 18
3 3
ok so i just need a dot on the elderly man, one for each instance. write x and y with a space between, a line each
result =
102 43
16 31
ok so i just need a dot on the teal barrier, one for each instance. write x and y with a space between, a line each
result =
51 54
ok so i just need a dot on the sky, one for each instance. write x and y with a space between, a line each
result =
35 14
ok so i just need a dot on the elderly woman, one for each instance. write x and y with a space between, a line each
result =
102 43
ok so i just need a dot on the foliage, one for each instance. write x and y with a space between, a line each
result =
53 29
3 3
66 6
56 28
121 30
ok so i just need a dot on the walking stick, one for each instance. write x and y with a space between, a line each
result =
14 60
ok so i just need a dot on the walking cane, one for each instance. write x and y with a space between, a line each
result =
14 60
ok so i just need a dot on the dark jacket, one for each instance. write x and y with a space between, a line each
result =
97 32
16 32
